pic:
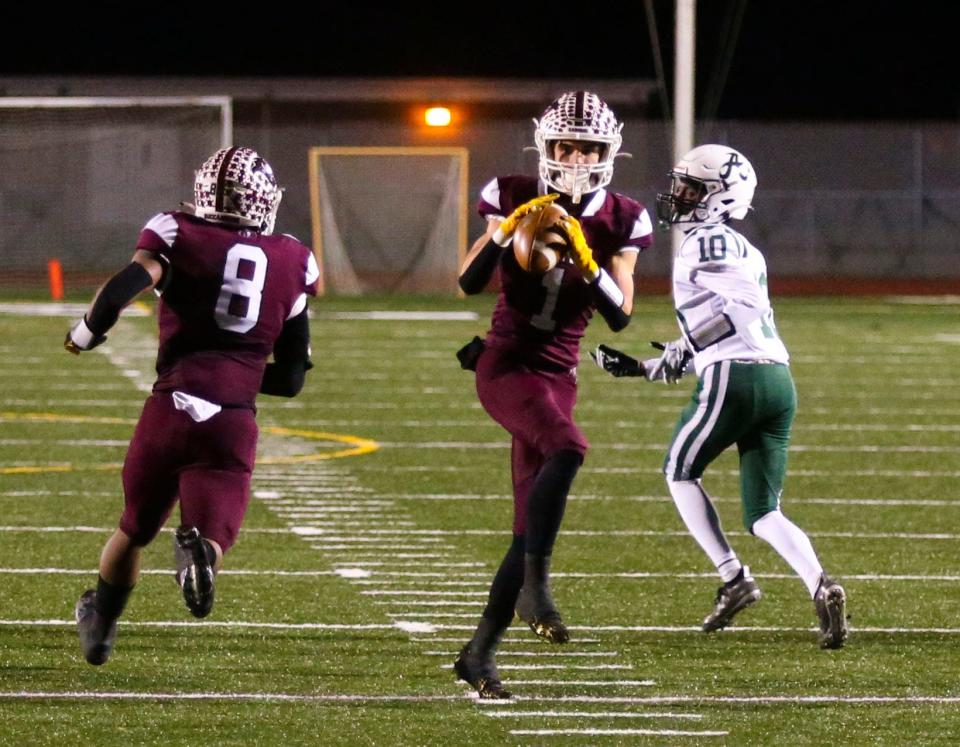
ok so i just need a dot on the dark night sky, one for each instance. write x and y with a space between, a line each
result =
797 59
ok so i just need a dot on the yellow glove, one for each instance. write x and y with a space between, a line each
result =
580 251
509 225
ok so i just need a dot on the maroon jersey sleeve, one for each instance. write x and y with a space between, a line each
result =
228 294
612 222
159 233
502 195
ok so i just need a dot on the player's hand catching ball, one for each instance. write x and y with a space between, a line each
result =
509 225
580 251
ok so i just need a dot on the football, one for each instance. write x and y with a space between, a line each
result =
539 242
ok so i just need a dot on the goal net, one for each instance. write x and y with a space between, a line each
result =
83 175
388 219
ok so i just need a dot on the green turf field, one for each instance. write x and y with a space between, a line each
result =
382 507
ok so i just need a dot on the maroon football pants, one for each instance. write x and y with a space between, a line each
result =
536 408
206 465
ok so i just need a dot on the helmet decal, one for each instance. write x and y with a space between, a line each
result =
710 184
236 186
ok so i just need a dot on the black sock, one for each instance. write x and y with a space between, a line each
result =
548 499
487 637
506 586
736 579
536 569
111 599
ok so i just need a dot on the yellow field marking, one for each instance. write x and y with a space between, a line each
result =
357 445
52 417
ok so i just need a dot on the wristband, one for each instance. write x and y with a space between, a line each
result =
608 287
82 335
609 300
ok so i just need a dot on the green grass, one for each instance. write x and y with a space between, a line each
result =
872 479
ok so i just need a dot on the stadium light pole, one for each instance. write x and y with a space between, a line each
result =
683 85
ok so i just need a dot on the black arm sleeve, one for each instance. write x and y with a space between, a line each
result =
120 290
291 354
615 316
475 278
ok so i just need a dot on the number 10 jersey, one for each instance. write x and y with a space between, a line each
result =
225 296
717 271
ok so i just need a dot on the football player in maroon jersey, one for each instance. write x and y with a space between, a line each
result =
526 366
231 294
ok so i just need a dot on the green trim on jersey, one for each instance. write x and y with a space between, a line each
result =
748 404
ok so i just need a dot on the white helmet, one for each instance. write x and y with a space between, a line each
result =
237 186
577 115
724 182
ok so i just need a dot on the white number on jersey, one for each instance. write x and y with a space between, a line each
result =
551 281
250 289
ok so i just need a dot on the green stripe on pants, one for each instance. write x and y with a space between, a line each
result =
748 404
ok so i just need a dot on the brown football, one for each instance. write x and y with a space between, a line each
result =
539 243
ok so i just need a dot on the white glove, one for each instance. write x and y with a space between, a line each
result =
672 363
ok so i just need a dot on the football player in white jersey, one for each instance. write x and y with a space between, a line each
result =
745 395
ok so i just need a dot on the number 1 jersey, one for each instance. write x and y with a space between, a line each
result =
225 296
541 318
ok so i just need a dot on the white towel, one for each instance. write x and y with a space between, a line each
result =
196 408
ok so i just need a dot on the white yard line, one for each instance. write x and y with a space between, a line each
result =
615 733
399 623
223 624
582 683
360 576
418 593
640 700
794 473
590 714
570 667
666 499
512 637
539 653
754 699
48 308
256 697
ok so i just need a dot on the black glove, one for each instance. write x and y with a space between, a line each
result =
617 363
470 353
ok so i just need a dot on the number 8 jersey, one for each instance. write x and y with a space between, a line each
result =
225 295
717 271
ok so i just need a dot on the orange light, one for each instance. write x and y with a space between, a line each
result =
437 116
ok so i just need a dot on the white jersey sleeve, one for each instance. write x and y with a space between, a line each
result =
718 272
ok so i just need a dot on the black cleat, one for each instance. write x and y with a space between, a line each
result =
481 674
194 570
730 600
96 635
536 608
831 602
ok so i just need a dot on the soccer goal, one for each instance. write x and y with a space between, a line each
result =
81 176
388 219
